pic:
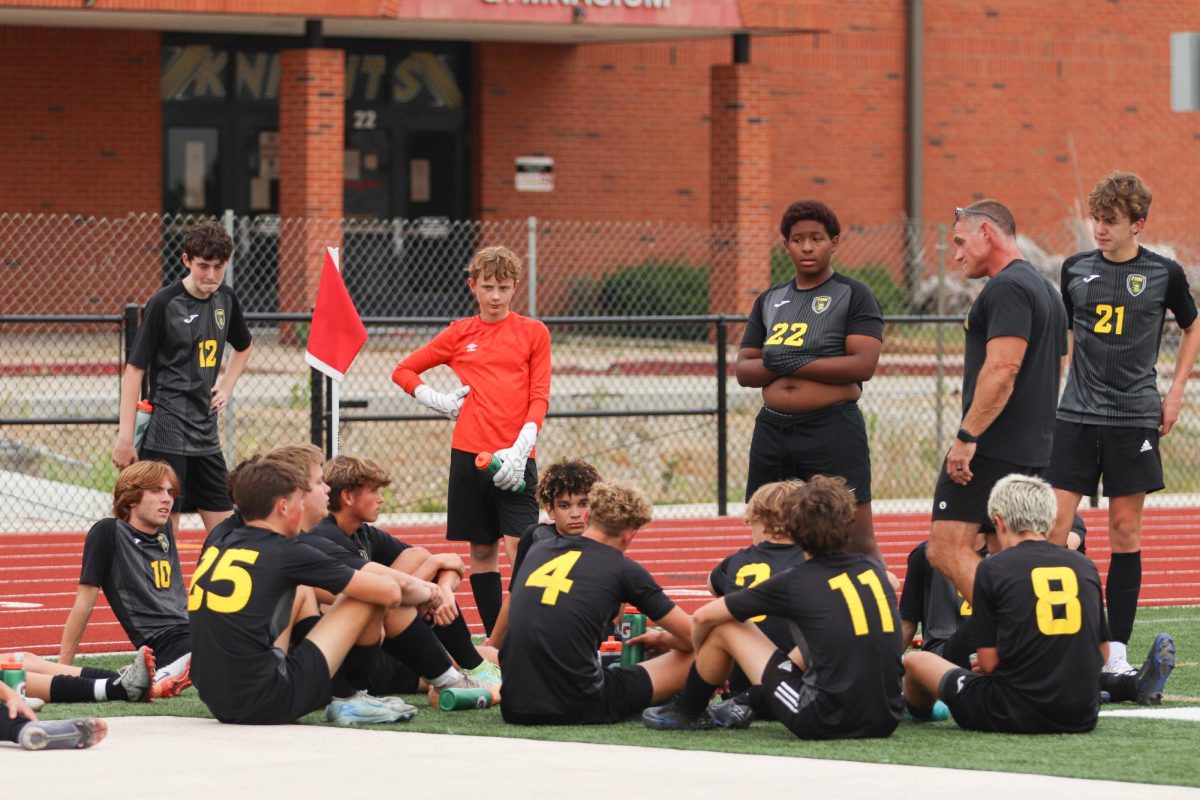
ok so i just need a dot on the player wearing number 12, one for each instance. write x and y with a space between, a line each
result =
1111 416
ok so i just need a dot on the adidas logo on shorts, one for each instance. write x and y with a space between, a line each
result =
1146 447
788 696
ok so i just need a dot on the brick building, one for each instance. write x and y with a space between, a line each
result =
378 109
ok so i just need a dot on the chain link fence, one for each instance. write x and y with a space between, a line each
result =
636 351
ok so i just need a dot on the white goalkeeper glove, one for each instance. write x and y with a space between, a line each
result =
447 405
512 459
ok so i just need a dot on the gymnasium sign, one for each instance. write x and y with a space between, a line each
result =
534 174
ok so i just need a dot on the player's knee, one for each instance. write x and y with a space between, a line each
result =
1125 535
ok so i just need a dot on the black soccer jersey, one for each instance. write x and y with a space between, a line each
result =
1041 607
751 566
929 598
180 343
848 629
140 576
240 601
1019 302
795 326
566 596
1116 312
532 535
367 544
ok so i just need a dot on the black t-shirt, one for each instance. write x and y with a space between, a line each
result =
1116 311
532 535
240 601
1019 302
367 544
795 326
565 597
929 598
847 628
751 566
180 343
1041 607
140 576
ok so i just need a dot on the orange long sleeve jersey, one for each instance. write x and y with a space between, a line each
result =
507 366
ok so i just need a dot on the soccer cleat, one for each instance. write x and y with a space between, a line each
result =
671 718
486 675
62 734
1118 665
361 709
172 685
733 713
35 704
405 709
136 677
1152 677
939 713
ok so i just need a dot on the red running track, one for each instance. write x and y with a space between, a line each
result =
39 571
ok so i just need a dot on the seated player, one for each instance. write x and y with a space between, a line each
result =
564 596
1037 624
771 552
563 491
132 556
842 680
51 682
19 725
243 667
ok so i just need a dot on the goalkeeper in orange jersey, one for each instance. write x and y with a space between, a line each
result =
503 361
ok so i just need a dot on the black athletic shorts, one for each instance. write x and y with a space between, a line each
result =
828 441
391 676
480 513
301 685
795 703
203 480
983 703
170 645
1127 458
626 691
952 501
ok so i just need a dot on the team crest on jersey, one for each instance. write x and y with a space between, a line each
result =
1136 284
219 315
819 304
163 542
362 554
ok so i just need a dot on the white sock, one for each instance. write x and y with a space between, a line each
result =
1116 652
100 689
446 678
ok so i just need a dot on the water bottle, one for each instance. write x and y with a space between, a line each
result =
632 624
486 462
142 421
14 676
609 653
457 699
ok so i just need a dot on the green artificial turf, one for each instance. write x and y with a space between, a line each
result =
1120 749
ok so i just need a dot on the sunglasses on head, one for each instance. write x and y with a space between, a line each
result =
960 212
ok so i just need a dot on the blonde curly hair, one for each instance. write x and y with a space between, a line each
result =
614 509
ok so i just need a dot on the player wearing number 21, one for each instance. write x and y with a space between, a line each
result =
1111 416
1038 626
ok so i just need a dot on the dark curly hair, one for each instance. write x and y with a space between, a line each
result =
810 209
818 515
566 477
207 240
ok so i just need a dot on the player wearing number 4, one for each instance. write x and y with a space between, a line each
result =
842 679
183 334
502 360
1111 416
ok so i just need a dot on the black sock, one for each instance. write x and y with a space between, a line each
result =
489 593
97 674
918 713
457 640
417 647
355 672
1120 688
72 689
696 693
10 729
1121 594
758 700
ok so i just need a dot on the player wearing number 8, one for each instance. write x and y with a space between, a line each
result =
1038 627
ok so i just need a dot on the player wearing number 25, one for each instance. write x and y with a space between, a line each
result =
1111 415
1038 626
180 342
809 344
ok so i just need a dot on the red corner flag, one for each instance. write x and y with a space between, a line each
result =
337 332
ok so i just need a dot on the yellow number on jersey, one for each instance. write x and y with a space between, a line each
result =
1106 313
552 577
798 330
162 574
208 352
964 607
753 575
1065 597
858 615
226 570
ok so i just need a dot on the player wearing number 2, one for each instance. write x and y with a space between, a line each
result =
1038 627
1111 416
809 344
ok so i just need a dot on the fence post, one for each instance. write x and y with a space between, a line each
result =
227 221
316 408
940 336
722 420
531 264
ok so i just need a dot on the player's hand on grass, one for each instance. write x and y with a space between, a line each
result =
448 405
124 455
512 459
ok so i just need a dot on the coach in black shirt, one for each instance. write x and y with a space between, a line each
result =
1015 338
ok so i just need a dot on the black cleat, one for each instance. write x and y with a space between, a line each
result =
733 713
1152 677
671 718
